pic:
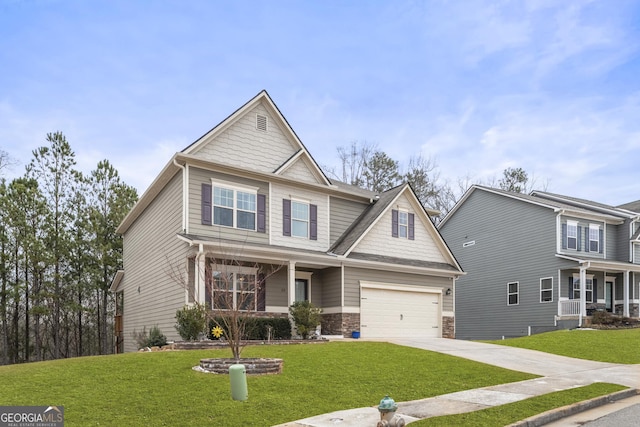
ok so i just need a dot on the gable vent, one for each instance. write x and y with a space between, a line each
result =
261 122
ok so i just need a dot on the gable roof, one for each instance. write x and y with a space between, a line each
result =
632 206
556 203
263 98
584 203
370 216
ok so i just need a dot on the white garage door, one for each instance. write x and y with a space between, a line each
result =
386 313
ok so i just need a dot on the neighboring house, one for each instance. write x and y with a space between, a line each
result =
541 261
249 191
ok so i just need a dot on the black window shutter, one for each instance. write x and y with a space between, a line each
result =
579 239
564 236
262 293
601 246
205 201
587 243
570 287
313 222
595 290
394 223
262 213
411 226
286 217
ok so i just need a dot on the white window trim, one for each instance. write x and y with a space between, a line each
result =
597 239
401 225
576 279
235 188
235 270
572 224
308 220
546 290
517 293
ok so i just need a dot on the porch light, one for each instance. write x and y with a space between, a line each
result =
448 291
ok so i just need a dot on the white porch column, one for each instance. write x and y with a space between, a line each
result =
583 296
625 292
200 280
292 283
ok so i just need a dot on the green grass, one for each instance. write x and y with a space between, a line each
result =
510 413
615 346
161 389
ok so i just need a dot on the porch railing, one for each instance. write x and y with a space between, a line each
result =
569 307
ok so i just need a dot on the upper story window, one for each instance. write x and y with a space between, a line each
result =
229 206
299 219
402 224
594 238
572 235
234 208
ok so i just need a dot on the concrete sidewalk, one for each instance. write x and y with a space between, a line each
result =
558 373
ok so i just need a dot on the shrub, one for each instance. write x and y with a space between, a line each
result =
191 321
306 317
257 328
155 338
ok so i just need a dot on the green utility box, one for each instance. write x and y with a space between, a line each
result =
238 376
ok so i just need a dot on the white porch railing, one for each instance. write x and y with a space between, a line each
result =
569 307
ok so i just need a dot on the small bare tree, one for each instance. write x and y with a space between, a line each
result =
234 292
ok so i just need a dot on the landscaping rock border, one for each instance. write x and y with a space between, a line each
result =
253 366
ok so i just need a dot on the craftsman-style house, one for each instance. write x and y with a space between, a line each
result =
249 190
540 261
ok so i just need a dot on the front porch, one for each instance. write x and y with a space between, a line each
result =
598 286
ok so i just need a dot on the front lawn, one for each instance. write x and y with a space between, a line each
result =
615 346
161 389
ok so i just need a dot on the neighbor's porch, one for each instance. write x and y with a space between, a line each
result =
599 286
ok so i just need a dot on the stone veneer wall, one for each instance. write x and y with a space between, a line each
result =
340 323
448 327
633 310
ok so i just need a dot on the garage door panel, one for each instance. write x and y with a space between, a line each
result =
387 313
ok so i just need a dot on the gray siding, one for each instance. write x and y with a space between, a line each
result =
615 236
197 177
331 287
514 242
276 288
343 213
353 276
151 296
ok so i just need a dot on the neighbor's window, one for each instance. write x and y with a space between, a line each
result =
299 219
588 288
234 208
403 224
594 238
546 289
512 293
572 235
231 290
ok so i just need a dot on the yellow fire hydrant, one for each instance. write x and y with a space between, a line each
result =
388 417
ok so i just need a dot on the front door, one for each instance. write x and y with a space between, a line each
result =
608 296
302 290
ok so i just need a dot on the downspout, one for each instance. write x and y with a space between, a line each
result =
200 276
583 289
185 196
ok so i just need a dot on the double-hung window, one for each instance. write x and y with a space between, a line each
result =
588 287
231 288
234 207
546 289
403 224
299 219
594 238
513 292
572 235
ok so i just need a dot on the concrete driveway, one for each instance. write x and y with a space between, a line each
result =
557 373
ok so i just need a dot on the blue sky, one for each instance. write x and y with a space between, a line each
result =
478 86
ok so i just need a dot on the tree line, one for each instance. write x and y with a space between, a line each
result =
362 164
58 254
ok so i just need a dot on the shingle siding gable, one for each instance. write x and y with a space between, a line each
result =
241 144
